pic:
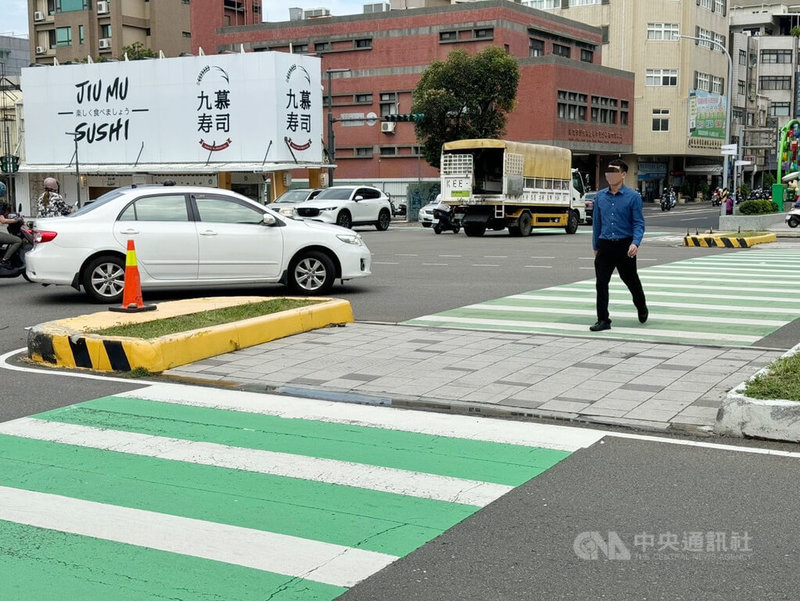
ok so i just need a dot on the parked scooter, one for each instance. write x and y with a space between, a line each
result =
17 260
444 221
792 218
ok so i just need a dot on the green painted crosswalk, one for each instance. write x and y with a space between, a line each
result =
731 299
191 493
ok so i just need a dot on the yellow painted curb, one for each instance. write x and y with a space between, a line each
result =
65 342
728 240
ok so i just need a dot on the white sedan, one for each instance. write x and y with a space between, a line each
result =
348 206
190 236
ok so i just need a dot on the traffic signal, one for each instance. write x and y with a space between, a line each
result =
9 163
414 117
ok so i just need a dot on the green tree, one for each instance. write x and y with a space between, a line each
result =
466 96
136 51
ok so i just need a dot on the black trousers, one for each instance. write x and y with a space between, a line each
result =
613 254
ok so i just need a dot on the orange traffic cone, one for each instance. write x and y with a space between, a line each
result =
132 292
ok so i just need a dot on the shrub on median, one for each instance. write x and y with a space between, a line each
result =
758 207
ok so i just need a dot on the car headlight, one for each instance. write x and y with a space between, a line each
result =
329 209
351 239
287 212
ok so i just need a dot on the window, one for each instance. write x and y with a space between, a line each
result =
388 103
186 34
587 56
81 34
157 208
702 81
105 31
719 6
322 46
363 98
544 4
560 50
536 47
705 36
717 85
388 151
299 48
214 209
776 56
663 31
742 57
485 34
623 112
660 119
67 6
583 2
571 106
720 42
64 36
709 4
779 109
774 82
661 77
448 36
604 110
365 151
363 43
740 88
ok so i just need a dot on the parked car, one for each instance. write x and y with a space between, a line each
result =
189 236
588 202
425 214
348 206
286 202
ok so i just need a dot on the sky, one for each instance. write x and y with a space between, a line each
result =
14 13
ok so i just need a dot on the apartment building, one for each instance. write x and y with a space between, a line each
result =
674 78
70 30
14 55
372 62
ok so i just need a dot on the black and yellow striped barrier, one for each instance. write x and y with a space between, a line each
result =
727 240
69 343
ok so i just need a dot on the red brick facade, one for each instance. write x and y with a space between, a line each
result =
386 52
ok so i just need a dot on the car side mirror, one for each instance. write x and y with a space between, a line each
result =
269 219
359 198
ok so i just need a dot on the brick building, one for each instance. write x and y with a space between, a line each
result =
566 97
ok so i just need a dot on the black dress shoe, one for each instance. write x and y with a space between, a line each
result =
600 326
643 314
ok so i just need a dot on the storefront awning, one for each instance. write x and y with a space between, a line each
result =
703 170
90 168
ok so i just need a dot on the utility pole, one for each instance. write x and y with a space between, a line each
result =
331 139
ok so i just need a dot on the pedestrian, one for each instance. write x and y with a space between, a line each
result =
617 231
51 203
728 202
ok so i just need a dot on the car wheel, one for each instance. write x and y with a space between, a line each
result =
384 219
104 279
572 222
794 222
344 219
312 272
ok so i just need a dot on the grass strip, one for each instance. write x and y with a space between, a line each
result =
203 319
780 381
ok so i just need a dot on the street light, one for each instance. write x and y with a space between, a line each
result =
727 108
331 145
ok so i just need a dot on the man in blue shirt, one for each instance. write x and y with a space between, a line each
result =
617 231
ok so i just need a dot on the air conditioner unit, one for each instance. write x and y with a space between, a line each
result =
387 127
104 43
102 8
38 16
40 50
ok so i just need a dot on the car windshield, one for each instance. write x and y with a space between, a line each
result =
335 194
99 202
293 196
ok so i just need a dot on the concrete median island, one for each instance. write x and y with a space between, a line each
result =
729 239
72 343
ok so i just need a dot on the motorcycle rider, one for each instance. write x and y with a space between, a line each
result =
50 202
12 241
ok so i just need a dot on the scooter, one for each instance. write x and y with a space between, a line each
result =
444 222
17 260
666 203
793 217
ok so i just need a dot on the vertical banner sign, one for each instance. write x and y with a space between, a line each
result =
233 108
707 115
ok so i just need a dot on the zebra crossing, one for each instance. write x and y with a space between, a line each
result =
732 299
182 492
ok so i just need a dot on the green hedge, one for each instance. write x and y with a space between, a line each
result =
758 207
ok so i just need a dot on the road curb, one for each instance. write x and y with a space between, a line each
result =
773 419
66 343
728 240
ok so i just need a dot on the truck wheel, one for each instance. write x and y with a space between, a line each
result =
572 222
474 230
523 225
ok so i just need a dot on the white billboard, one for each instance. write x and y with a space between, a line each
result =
248 108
